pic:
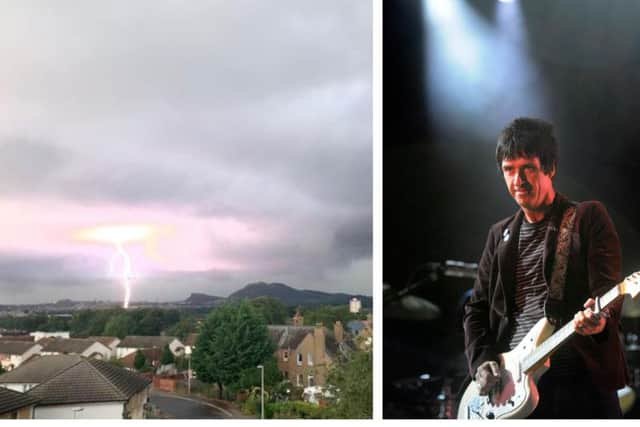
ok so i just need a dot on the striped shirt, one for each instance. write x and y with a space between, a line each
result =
531 293
531 288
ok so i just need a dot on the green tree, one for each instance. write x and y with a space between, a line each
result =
151 322
183 328
139 360
2 371
250 377
272 310
117 362
167 357
353 382
233 338
118 326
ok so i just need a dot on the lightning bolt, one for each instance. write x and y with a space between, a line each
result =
126 272
118 235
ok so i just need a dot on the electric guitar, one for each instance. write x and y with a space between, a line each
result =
516 396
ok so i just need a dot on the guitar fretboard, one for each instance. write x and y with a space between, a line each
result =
545 349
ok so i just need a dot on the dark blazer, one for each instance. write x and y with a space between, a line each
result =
594 267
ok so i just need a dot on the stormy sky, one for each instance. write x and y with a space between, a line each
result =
239 132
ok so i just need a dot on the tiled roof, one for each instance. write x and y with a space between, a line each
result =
331 345
335 349
12 400
285 336
66 345
141 341
90 380
104 340
356 325
15 347
17 338
40 369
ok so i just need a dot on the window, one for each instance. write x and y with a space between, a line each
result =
285 355
299 380
299 359
309 359
311 381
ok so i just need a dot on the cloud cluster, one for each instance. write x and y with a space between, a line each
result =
214 110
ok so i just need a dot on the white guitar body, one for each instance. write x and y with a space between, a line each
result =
517 395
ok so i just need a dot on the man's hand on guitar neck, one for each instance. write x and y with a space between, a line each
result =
586 322
487 376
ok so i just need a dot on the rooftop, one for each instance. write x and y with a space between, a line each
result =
285 336
39 369
89 380
15 347
143 341
12 400
66 345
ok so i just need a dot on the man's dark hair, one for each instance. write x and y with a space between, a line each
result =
527 137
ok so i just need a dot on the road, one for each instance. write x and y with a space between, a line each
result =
177 406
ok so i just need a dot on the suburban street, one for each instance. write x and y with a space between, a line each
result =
176 406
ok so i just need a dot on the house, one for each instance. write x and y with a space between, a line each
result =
84 347
111 342
35 371
132 343
361 331
72 386
153 355
38 335
355 305
15 405
14 353
304 353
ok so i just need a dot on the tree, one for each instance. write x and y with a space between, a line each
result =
2 371
233 338
139 360
250 377
353 382
167 356
118 326
272 310
183 328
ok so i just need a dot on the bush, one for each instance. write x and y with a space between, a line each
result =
294 410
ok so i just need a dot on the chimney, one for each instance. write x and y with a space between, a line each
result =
319 346
338 331
298 320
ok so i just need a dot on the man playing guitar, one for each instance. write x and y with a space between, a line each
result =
512 290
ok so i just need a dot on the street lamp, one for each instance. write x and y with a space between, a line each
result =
187 351
261 367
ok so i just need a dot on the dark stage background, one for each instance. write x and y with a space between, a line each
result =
454 73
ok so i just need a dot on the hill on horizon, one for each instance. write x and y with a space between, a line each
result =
291 296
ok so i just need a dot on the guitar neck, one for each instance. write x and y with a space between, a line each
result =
544 350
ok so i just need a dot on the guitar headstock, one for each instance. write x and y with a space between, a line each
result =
631 284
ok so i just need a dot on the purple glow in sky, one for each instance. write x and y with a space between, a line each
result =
238 131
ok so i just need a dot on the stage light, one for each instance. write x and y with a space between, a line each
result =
474 66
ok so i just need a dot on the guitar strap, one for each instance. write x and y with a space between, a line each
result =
555 300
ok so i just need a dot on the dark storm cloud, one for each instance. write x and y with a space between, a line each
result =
247 109
354 239
26 165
